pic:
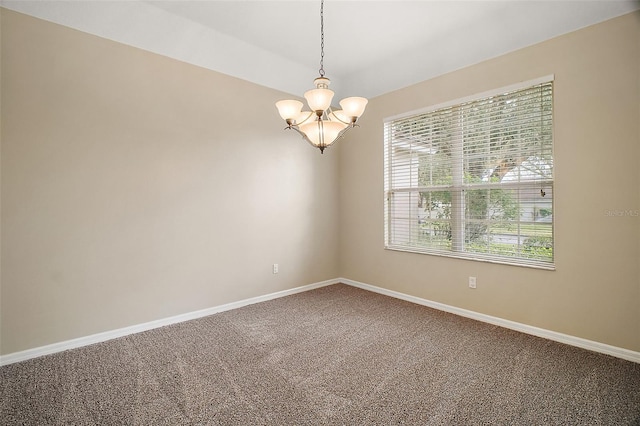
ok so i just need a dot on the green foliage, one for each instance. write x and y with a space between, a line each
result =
538 247
545 212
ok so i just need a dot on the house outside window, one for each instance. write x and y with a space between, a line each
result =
473 178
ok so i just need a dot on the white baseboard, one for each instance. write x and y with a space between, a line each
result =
113 334
524 328
121 332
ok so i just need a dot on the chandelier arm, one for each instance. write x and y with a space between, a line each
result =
342 133
311 114
329 111
348 123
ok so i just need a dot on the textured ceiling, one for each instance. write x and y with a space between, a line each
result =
371 47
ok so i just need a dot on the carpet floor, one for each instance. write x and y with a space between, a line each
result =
334 355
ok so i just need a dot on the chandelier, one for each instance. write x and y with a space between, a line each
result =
321 126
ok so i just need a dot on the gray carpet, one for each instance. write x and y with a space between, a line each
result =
335 355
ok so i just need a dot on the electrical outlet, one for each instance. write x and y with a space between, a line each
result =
472 282
275 268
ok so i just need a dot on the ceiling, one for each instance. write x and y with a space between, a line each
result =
371 47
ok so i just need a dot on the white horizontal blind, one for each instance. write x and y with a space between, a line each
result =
474 180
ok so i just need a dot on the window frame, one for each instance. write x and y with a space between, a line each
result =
458 190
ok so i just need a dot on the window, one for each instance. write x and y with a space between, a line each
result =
474 179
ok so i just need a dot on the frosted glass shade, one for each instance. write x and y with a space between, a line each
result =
354 106
322 133
319 99
289 109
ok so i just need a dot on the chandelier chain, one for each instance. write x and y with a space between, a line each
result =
322 38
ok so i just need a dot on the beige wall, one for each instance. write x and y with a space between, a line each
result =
136 187
595 291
